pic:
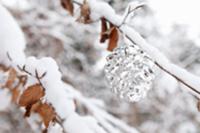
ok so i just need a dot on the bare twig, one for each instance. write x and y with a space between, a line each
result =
129 12
162 68
156 63
9 57
39 77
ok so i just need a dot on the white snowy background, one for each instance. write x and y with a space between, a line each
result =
172 26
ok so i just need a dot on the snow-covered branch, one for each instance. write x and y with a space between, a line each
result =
44 92
182 75
61 96
99 113
101 9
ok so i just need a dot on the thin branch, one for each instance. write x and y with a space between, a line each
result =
165 70
129 12
39 77
156 63
177 78
78 3
9 57
23 69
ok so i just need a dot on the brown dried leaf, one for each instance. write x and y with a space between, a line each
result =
31 95
104 29
85 10
36 106
68 5
32 108
28 110
47 113
11 78
15 91
22 80
3 68
113 39
85 13
15 95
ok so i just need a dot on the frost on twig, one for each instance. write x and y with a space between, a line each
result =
36 86
51 94
103 10
91 105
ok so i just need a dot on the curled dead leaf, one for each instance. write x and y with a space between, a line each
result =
15 94
22 80
110 33
31 95
3 68
104 29
68 5
11 78
85 13
16 91
113 38
47 113
28 110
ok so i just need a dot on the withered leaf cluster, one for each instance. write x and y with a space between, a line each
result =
30 98
108 30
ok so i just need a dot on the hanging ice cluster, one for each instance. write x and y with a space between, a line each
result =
129 71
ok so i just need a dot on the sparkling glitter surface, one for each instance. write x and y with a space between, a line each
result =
129 71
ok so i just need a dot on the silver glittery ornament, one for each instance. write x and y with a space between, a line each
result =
129 71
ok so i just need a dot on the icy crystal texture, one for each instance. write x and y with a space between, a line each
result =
129 71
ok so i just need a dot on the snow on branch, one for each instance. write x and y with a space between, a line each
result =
10 34
99 113
182 75
99 10
45 73
36 86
